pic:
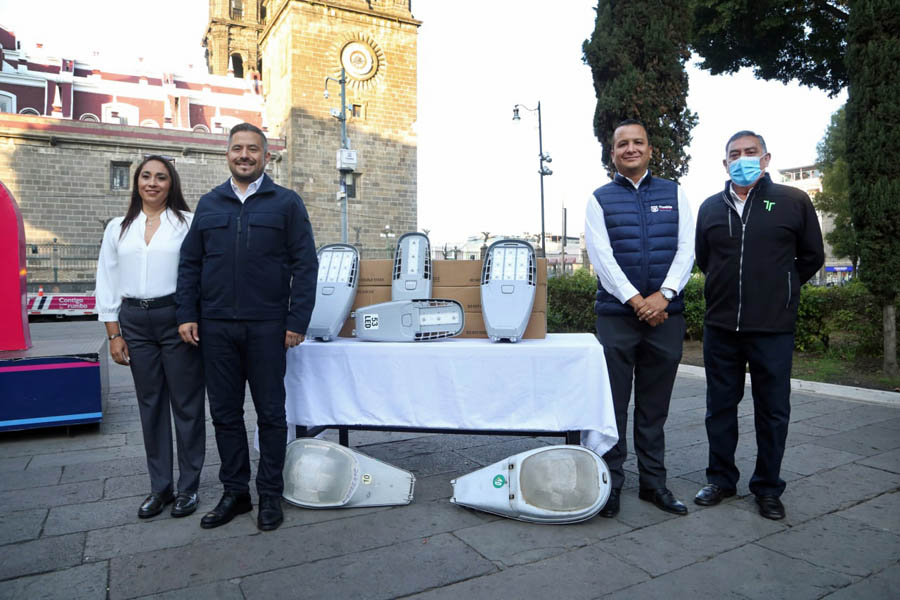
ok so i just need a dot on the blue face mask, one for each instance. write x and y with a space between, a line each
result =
745 170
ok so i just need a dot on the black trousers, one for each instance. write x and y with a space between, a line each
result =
236 353
649 356
168 380
726 355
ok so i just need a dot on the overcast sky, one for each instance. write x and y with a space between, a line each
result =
478 168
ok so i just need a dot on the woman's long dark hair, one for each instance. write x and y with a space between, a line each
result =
174 200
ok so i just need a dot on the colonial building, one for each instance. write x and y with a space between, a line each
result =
73 128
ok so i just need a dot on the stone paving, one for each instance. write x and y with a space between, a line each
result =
69 526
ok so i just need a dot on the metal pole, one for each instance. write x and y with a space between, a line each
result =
541 164
563 245
345 145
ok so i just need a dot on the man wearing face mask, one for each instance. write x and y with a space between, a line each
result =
757 242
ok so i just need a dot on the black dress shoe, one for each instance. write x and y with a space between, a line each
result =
664 500
154 504
611 508
270 515
711 494
770 507
185 504
231 505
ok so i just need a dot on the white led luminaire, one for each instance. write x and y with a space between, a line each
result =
409 320
412 268
322 474
553 484
508 285
335 290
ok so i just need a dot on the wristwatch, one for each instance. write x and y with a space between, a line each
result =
114 336
668 294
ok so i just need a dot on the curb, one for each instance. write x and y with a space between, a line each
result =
814 387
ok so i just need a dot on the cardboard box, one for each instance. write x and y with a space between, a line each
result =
470 297
536 329
463 273
376 273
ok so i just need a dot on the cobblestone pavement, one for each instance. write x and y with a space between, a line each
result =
69 526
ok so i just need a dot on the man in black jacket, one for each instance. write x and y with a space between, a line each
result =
757 242
247 282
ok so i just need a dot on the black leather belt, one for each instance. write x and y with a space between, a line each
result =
146 303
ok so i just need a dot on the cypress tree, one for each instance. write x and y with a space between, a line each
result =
834 199
873 128
637 54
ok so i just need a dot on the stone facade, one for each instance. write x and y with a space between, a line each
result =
303 42
60 172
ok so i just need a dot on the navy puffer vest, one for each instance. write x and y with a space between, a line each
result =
642 225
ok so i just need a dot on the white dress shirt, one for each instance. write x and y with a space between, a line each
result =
612 278
130 268
251 189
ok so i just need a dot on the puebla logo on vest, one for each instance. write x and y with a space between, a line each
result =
660 207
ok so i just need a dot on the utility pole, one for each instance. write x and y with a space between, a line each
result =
346 158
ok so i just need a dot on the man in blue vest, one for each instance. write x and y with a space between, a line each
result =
639 232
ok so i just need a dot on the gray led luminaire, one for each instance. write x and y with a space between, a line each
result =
409 320
412 268
508 284
335 290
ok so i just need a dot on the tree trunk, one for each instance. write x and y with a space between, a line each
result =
890 340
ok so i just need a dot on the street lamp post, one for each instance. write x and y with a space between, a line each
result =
341 115
543 158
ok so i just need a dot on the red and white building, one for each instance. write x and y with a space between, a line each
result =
39 84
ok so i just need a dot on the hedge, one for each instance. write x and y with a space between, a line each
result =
844 317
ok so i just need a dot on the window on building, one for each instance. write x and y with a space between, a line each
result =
200 129
238 64
237 9
118 175
89 118
356 111
29 111
7 102
353 184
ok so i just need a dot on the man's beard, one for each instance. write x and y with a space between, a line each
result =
249 178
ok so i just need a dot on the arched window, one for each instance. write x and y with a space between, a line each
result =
149 123
238 64
29 111
223 124
200 129
7 102
89 118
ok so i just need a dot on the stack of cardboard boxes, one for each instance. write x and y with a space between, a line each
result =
458 280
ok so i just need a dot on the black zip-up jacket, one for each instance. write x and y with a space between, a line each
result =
248 261
756 262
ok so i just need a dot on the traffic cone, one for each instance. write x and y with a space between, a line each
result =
40 290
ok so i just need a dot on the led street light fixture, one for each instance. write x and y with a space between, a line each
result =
335 290
508 284
322 474
409 320
412 268
553 484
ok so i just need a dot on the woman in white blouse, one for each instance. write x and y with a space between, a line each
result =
136 276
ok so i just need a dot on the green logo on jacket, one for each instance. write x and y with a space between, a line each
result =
769 204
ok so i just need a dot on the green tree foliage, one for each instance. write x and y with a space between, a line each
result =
873 127
834 199
637 54
780 39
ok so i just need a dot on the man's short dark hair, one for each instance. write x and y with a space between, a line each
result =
626 122
251 128
746 133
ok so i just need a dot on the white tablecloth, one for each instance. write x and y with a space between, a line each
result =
559 383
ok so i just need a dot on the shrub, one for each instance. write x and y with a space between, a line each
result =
694 307
570 302
811 332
